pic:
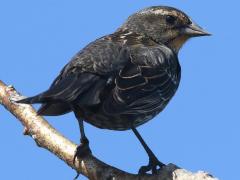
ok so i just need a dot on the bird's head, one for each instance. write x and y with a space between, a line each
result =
166 25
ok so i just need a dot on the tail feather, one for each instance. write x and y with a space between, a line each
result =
47 109
57 109
30 100
79 89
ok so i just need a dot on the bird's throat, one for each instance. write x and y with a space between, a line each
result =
177 43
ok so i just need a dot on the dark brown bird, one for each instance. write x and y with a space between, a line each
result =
124 79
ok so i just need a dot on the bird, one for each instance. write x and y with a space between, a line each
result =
123 80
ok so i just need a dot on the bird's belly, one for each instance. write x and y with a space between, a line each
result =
120 122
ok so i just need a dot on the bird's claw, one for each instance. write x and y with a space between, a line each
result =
152 166
82 150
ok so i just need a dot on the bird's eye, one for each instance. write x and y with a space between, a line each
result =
170 19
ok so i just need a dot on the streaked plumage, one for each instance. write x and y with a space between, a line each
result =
124 79
118 81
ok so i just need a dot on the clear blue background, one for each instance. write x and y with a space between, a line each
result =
199 130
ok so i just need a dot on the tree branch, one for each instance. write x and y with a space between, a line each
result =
47 137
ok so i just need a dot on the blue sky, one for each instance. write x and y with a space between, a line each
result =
200 128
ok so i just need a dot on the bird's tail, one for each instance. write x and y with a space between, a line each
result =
46 109
30 100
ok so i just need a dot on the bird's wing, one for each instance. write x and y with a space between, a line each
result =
147 83
83 78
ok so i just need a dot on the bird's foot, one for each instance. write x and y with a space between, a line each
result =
82 150
153 165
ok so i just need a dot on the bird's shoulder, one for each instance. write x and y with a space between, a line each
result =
143 50
100 56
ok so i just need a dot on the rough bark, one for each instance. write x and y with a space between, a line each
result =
47 137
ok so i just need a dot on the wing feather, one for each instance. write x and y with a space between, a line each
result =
147 83
83 78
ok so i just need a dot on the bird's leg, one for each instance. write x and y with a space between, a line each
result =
82 149
153 161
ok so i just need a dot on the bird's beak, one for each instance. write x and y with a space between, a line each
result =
194 30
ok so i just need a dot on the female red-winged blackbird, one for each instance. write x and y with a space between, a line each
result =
124 79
